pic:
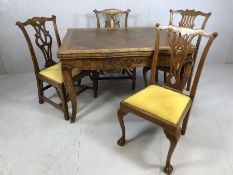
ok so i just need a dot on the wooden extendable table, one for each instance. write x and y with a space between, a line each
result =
93 49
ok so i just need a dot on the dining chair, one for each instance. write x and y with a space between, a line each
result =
112 21
167 106
50 75
185 18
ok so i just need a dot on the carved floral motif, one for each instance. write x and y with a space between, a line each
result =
129 62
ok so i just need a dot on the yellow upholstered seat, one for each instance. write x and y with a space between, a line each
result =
161 102
55 74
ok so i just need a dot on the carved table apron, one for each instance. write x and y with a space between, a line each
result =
93 49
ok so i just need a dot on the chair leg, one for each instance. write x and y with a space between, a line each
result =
145 70
121 115
101 72
123 71
63 97
173 138
90 76
134 78
95 82
164 76
185 123
40 91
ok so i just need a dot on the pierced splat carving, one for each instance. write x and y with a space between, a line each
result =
111 17
188 18
182 56
187 21
181 60
44 41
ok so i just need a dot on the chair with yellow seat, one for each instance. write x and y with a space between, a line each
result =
167 106
51 73
188 19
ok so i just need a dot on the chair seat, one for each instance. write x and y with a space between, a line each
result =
161 102
54 73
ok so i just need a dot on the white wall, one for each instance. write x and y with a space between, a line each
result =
229 58
2 67
78 13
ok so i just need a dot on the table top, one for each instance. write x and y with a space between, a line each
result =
89 42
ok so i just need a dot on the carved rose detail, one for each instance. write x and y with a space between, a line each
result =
125 62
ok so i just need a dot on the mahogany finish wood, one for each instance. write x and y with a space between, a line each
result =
187 19
112 20
180 41
43 40
101 49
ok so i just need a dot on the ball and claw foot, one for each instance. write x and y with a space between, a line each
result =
121 142
168 169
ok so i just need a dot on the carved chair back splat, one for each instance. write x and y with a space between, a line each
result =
182 56
187 19
180 41
112 17
43 39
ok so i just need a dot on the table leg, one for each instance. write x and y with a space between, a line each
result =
95 82
68 82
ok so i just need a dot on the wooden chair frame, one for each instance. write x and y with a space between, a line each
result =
187 20
180 40
111 16
43 40
112 22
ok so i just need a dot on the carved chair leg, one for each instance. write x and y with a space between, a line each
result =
145 70
121 115
95 82
134 78
63 97
185 122
40 91
173 138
